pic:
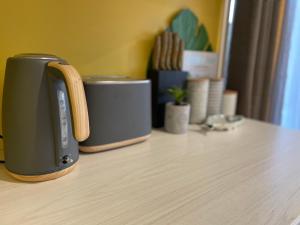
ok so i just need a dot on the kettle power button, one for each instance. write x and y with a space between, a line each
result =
66 159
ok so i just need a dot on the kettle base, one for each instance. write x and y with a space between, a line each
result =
105 147
44 177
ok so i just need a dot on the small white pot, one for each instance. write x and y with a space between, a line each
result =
177 118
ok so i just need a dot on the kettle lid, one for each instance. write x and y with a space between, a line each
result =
37 56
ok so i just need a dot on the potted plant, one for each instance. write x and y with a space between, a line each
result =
177 112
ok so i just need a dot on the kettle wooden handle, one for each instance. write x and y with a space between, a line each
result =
77 100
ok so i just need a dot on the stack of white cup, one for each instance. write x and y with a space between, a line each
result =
215 96
229 102
197 97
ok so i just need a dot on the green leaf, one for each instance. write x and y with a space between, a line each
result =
186 25
202 38
178 94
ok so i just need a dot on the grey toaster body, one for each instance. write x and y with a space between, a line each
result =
119 112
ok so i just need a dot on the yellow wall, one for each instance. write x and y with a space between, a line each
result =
105 37
96 36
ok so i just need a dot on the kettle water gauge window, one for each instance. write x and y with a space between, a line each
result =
63 118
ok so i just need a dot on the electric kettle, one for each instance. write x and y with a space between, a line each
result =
44 116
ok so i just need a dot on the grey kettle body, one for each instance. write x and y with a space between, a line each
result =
44 117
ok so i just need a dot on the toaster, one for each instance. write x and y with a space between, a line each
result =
119 112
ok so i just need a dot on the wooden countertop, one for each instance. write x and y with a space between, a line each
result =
249 176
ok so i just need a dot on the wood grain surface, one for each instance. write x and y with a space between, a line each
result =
169 51
249 176
175 52
180 55
164 50
156 53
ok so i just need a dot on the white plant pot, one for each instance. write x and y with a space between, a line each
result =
177 118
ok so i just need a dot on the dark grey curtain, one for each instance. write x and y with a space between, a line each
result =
255 56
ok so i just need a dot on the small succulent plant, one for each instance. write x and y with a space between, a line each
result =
178 94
